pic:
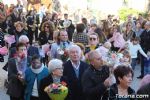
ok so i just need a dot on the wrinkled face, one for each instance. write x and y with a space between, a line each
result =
19 28
126 80
63 36
146 26
36 64
58 72
22 52
75 55
93 40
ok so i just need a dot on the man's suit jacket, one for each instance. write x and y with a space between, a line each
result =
74 82
15 86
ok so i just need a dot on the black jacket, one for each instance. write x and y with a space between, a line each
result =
93 82
47 81
43 39
145 40
144 90
112 92
15 86
75 83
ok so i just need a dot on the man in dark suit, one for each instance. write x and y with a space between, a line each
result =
16 72
145 40
73 70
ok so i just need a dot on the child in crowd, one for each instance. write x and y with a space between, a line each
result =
104 49
126 59
134 48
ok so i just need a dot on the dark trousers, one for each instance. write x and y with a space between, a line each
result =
142 65
34 98
14 98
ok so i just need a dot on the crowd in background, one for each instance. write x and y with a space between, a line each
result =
48 49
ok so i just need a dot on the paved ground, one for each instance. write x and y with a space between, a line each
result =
3 76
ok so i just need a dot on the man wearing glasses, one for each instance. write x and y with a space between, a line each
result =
95 80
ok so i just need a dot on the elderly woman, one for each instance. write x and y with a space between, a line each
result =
123 76
46 32
56 76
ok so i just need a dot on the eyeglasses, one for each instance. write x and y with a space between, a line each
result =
92 39
47 26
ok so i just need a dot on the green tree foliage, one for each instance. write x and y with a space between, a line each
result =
124 12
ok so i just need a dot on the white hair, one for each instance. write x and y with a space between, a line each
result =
54 64
107 44
23 38
74 47
148 23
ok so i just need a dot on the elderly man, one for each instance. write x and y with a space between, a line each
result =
95 79
145 40
73 70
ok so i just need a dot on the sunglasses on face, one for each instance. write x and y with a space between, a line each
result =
92 39
47 26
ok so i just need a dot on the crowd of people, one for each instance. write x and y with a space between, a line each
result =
97 62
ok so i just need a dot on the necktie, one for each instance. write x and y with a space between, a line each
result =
64 45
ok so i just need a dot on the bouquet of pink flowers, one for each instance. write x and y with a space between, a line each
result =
57 91
3 50
9 39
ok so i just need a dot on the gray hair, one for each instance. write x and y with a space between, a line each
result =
54 64
72 47
147 23
23 38
91 54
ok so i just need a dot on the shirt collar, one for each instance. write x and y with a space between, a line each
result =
76 66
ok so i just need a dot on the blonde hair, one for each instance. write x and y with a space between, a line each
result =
19 23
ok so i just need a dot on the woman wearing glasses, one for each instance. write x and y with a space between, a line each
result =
46 32
128 33
93 42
